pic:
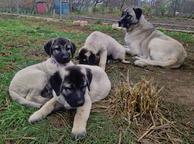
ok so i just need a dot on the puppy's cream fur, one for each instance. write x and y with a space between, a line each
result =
99 89
153 47
104 45
27 84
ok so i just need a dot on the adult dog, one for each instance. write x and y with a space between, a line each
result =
151 46
27 84
103 45
76 87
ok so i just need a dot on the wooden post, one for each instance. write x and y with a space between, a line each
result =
60 9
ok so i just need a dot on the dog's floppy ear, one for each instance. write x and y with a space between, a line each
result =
56 82
89 77
73 49
92 59
138 12
81 53
47 47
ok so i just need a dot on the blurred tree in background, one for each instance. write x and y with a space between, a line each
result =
150 7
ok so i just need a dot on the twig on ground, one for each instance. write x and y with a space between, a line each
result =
141 137
60 139
120 138
154 124
25 138
170 138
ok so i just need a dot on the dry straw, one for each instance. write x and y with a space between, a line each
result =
139 104
135 100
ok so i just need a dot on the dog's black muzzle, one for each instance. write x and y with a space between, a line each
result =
63 57
126 21
121 21
75 99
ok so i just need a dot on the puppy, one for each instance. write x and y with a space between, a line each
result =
76 87
150 46
103 45
27 84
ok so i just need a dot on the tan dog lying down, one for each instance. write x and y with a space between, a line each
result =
151 46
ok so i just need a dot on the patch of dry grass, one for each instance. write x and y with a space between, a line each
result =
135 100
139 105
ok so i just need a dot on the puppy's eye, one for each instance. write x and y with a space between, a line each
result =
68 88
68 49
129 16
68 46
57 49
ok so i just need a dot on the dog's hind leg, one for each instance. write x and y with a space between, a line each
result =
15 96
38 99
34 95
143 62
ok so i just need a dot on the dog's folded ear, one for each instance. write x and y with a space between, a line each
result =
89 77
47 47
138 12
56 82
73 49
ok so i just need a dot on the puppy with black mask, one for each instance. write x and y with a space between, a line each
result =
150 46
101 45
28 83
76 87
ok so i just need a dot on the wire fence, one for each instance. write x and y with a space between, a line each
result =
101 8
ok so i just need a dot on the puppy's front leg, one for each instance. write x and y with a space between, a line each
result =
80 119
46 109
125 62
103 58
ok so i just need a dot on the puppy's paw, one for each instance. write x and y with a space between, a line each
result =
35 117
137 57
139 63
78 136
126 62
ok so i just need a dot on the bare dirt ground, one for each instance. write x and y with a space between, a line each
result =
180 22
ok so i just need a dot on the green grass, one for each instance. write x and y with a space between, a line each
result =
19 38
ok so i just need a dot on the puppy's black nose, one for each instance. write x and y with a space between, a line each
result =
65 57
80 102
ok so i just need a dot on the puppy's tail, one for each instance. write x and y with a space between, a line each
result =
22 100
172 63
